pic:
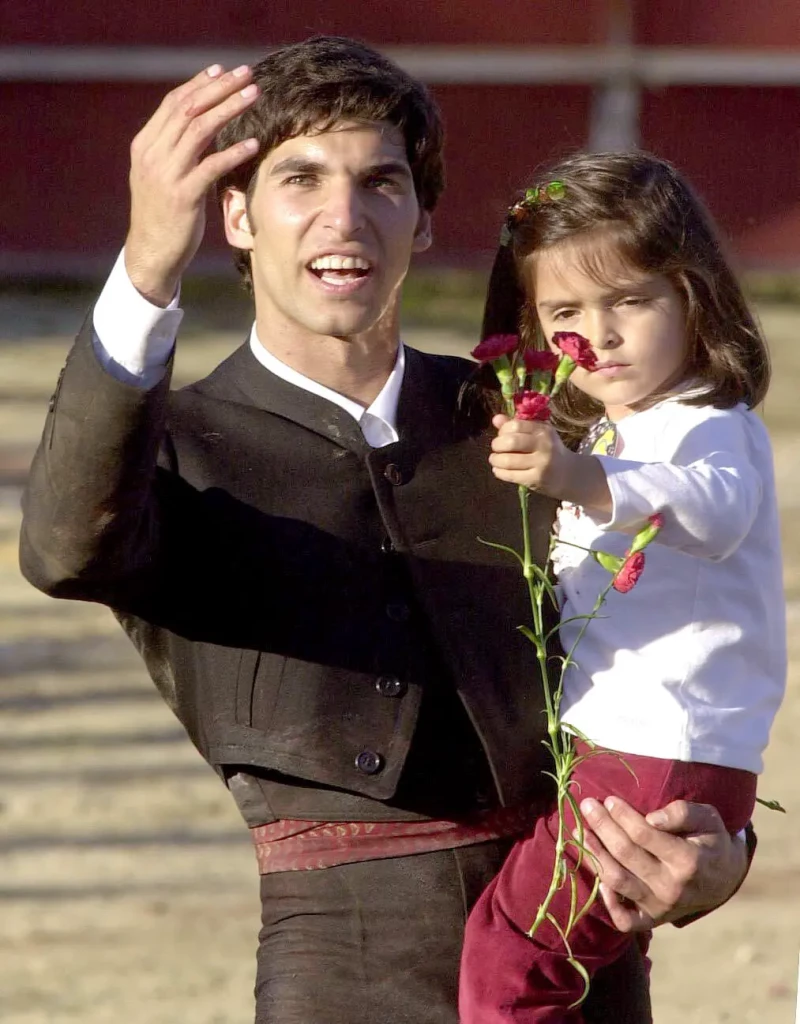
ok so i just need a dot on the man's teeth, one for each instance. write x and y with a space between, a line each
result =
339 263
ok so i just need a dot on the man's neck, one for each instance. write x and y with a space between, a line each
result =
356 367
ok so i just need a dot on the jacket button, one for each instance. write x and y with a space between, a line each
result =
369 762
390 686
398 611
393 474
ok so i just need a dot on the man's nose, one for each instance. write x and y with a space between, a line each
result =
344 209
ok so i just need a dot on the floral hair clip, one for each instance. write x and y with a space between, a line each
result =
517 213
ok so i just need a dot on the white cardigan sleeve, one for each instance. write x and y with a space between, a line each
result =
708 492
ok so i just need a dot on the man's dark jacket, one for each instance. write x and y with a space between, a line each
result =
321 616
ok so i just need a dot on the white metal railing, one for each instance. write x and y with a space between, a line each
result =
498 65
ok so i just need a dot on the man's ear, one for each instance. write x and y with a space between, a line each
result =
236 220
423 236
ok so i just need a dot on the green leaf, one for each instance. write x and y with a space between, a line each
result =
586 981
572 618
503 547
575 731
645 536
589 900
611 563
557 927
529 634
772 805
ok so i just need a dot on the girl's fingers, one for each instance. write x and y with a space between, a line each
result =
512 460
528 442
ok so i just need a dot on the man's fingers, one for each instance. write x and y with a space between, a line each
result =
625 916
202 130
192 130
611 871
197 110
175 96
215 165
682 818
627 835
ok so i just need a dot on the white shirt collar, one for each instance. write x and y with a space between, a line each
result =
378 421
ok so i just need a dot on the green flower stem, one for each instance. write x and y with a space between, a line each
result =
559 741
563 752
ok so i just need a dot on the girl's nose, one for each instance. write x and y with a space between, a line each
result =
604 334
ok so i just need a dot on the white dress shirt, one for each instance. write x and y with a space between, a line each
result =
134 339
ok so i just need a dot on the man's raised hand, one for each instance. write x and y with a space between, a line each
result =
170 177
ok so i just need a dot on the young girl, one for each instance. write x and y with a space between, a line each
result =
684 675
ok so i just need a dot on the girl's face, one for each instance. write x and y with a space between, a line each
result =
635 321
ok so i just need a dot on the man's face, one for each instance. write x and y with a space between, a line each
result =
331 226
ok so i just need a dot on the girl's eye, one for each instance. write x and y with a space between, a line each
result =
633 300
564 314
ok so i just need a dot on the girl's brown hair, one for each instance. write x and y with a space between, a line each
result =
659 226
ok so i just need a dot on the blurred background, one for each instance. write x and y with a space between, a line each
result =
127 887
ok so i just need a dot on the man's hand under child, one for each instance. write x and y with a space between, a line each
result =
531 454
676 862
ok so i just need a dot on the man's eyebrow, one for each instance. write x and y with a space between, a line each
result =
297 165
390 167
302 165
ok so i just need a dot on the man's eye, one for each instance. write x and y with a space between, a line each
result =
380 181
299 179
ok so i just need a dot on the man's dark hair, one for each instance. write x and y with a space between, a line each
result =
310 86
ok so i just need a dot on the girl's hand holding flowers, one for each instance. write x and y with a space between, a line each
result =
530 453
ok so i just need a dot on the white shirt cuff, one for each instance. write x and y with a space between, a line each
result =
133 339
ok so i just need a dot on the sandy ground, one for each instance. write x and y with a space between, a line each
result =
128 890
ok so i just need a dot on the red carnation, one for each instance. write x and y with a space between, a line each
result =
577 347
628 576
539 362
656 520
532 406
495 346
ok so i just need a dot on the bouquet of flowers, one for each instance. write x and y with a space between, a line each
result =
528 381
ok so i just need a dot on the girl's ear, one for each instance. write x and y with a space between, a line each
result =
238 231
423 236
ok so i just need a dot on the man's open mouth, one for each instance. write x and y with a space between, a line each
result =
339 270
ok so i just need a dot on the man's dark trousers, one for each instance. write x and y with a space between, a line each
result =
381 942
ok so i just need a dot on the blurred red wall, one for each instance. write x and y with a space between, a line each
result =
64 160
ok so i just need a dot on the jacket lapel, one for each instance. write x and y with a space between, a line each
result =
242 378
